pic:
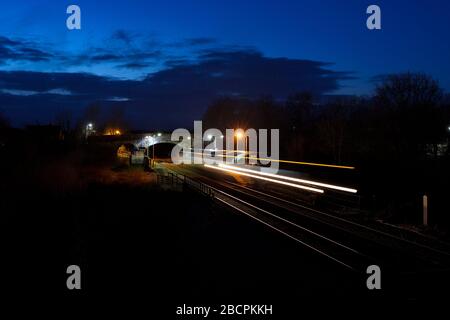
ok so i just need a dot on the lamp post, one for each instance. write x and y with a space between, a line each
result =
153 149
239 134
89 128
159 134
213 138
221 138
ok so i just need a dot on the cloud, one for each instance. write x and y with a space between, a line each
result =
249 73
16 92
7 42
79 88
124 36
105 57
171 97
201 41
134 65
25 93
21 51
122 50
118 99
119 54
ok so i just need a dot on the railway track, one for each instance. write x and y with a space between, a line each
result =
383 247
338 252
349 244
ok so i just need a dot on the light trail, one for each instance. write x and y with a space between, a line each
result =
218 150
315 183
265 179
281 161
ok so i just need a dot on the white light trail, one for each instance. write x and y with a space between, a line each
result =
315 183
275 160
265 179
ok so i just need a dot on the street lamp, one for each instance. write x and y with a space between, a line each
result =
89 129
240 134
221 137
153 149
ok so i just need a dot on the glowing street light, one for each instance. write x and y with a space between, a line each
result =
239 135
159 134
89 129
117 132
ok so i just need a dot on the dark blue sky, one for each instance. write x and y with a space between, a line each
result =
178 55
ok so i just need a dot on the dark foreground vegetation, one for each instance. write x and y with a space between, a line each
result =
66 204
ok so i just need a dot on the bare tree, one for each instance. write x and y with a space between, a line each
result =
298 118
332 129
408 90
412 117
298 110
91 114
63 118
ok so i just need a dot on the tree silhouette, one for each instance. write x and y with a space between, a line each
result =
298 122
4 122
412 118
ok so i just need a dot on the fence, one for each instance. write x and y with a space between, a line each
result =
169 177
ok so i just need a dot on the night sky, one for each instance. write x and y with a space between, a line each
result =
164 61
